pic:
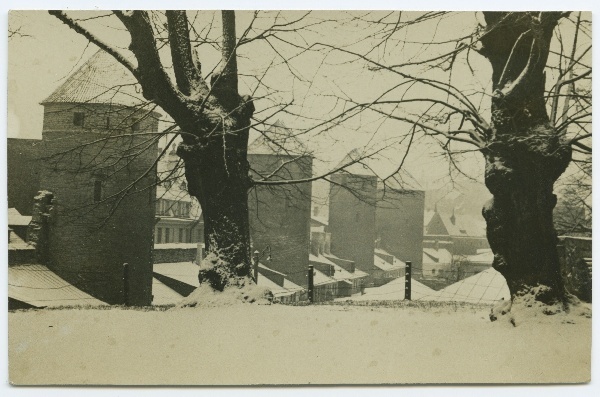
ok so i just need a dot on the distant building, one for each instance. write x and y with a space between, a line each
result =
178 215
461 234
399 223
389 267
352 200
350 280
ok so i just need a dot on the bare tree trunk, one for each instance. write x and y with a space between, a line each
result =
217 175
524 158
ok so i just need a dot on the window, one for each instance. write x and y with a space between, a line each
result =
107 123
159 235
181 240
97 191
136 125
167 232
78 119
433 271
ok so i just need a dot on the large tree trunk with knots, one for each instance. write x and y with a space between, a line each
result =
524 158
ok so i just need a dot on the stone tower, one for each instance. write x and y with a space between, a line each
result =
98 152
352 202
280 215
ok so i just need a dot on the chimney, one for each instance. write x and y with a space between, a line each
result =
328 243
314 244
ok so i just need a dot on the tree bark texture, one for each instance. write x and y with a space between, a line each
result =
524 157
215 124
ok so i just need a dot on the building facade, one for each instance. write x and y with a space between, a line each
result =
97 172
280 215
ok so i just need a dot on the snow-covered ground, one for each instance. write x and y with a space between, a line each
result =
277 344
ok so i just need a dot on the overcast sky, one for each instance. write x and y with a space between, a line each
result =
317 82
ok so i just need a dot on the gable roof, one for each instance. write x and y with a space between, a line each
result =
455 225
101 79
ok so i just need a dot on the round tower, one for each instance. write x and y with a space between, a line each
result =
99 149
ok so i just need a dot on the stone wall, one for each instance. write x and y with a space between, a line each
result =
174 255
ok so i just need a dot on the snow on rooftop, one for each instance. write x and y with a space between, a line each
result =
395 289
41 287
320 259
165 246
16 219
432 255
17 243
488 286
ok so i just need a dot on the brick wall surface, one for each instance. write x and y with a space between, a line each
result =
352 219
90 241
280 215
399 222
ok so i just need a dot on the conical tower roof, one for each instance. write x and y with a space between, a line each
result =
278 140
101 79
357 168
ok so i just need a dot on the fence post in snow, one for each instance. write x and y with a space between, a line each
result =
126 284
311 285
407 279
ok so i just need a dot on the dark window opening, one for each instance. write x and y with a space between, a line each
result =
78 119
181 240
167 232
136 125
107 123
97 191
159 235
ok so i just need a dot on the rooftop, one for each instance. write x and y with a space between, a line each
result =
40 287
16 219
101 79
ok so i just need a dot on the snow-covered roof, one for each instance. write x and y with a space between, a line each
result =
40 287
395 289
320 259
320 220
17 243
384 265
101 79
186 272
432 255
16 219
488 286
457 225
487 256
174 193
320 278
